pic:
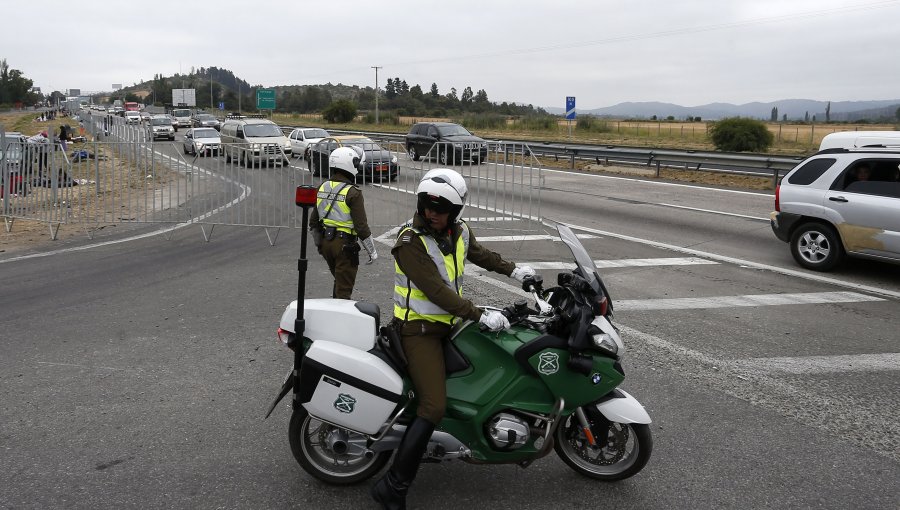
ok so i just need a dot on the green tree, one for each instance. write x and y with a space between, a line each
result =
738 134
434 93
341 111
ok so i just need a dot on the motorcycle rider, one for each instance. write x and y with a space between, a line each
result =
430 255
339 219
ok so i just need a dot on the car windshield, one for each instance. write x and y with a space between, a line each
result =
160 121
315 133
206 133
453 130
205 117
364 143
262 130
181 113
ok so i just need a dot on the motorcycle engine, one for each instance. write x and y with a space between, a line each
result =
508 431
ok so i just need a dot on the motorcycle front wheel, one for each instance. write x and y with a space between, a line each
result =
622 453
332 454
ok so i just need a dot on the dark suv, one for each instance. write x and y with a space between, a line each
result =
447 142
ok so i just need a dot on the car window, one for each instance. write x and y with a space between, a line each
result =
432 131
315 133
262 130
808 172
453 129
206 133
878 188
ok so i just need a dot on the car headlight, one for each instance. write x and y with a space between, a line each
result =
605 342
199 146
458 145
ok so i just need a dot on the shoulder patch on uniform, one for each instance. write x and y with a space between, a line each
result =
406 238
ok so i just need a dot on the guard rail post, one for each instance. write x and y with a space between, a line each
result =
574 153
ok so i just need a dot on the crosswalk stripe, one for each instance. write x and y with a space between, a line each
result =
604 264
807 298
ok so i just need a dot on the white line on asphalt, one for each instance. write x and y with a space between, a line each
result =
754 300
528 237
492 218
720 213
658 183
825 364
602 264
741 262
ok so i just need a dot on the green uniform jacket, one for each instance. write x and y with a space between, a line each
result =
414 261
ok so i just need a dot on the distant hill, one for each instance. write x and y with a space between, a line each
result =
795 109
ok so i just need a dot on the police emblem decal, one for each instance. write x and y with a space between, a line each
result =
345 403
548 363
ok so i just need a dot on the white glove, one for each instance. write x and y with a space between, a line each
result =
494 321
369 245
523 272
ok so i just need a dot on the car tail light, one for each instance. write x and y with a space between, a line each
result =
778 198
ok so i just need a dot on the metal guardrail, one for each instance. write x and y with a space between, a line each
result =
758 165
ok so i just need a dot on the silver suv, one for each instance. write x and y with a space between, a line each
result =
841 202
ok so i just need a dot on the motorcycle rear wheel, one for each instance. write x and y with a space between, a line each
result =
622 453
309 440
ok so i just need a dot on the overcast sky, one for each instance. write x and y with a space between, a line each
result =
604 52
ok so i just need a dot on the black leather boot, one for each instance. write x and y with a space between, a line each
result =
390 490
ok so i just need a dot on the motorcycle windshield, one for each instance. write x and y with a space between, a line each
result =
584 261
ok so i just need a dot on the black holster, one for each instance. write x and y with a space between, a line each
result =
352 252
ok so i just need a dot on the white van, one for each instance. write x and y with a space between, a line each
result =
254 141
859 139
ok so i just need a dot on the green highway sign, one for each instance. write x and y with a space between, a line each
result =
265 99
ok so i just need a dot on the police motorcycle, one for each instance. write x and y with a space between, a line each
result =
548 383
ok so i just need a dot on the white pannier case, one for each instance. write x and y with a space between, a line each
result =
348 387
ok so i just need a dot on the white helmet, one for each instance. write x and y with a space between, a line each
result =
442 190
345 159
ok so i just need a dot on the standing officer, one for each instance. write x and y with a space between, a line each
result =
430 256
339 219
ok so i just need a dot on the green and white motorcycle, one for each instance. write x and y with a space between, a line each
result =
549 382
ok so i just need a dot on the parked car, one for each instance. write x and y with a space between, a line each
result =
254 141
202 141
302 138
376 164
840 202
206 120
160 126
449 143
132 117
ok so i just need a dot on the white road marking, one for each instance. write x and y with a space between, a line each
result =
529 237
603 264
658 183
720 213
825 364
741 262
754 300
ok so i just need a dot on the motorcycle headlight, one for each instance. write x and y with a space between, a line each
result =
605 342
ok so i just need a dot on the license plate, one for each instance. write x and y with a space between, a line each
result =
381 168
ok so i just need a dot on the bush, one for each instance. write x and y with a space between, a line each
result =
591 125
390 118
340 112
483 121
539 123
738 135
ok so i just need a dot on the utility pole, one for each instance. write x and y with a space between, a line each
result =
376 68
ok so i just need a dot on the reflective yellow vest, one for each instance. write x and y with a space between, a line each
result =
410 303
335 202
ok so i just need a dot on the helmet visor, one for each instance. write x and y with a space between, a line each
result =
437 204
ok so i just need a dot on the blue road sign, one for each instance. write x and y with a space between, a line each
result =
221 105
570 107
